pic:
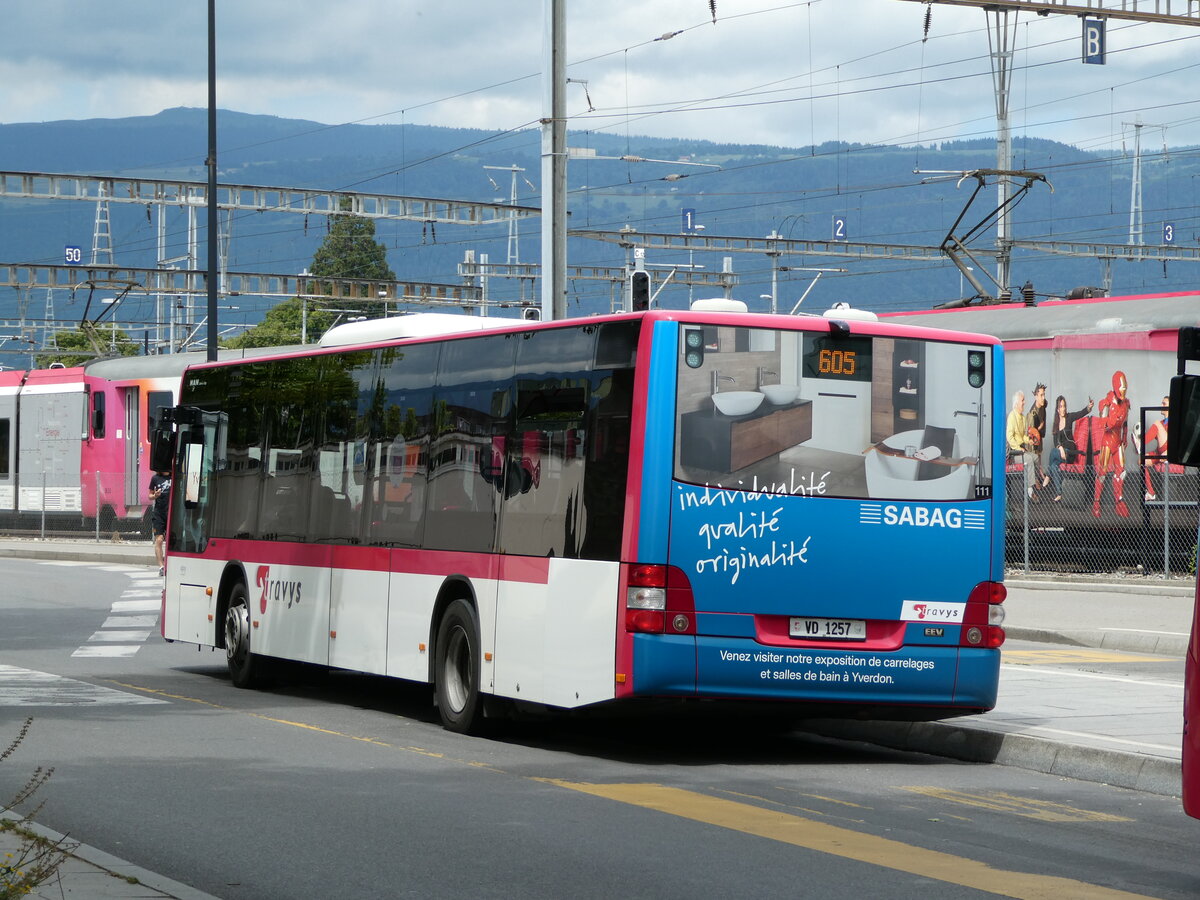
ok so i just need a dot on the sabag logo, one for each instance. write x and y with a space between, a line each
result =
923 516
275 589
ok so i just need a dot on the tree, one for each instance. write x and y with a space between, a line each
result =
74 348
348 251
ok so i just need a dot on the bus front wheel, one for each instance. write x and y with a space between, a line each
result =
243 665
456 670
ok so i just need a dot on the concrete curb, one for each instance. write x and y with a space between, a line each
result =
969 743
118 868
1144 585
102 553
1128 642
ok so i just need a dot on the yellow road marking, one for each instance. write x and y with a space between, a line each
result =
843 842
1059 656
1043 810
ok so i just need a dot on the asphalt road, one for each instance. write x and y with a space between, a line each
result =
342 785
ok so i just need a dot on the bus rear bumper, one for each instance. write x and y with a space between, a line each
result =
944 676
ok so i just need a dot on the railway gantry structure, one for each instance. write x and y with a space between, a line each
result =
187 282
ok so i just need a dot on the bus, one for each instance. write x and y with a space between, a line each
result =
1183 449
690 504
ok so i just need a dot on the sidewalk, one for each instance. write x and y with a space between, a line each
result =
1113 729
91 874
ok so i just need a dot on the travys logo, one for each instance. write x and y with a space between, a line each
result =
922 516
927 611
276 589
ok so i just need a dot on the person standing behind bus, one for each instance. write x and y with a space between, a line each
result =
1064 450
1017 433
160 488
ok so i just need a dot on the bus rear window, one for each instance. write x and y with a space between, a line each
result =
815 414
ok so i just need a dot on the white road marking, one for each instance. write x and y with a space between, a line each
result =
130 622
137 605
118 637
1094 676
106 650
25 687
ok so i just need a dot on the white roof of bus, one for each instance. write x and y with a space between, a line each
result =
415 325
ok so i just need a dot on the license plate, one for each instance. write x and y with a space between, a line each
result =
814 629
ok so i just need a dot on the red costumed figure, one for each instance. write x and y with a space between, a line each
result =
1114 412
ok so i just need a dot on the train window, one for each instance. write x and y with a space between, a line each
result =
97 415
156 402
4 447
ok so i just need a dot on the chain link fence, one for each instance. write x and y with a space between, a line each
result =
1138 521
100 506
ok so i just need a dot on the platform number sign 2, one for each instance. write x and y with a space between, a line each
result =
73 256
839 228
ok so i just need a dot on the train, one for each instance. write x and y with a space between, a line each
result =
75 440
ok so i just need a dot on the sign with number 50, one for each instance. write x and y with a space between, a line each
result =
73 256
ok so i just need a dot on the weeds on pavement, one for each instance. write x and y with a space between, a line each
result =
36 859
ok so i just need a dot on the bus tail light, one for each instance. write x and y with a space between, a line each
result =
984 616
658 600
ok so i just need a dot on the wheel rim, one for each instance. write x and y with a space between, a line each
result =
456 673
237 634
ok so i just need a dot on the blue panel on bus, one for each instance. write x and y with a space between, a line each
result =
664 664
978 678
729 626
792 554
732 668
659 451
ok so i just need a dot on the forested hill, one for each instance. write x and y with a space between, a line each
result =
796 191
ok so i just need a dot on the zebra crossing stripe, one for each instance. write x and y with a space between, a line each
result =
26 688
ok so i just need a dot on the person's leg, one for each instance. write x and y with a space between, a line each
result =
1056 473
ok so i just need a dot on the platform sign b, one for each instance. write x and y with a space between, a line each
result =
1093 42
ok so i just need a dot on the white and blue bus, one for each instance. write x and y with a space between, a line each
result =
701 504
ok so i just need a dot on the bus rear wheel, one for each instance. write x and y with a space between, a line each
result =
456 670
244 666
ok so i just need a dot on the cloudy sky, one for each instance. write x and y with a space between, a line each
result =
766 71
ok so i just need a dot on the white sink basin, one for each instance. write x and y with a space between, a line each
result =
779 394
737 403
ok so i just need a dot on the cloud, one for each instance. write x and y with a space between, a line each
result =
767 72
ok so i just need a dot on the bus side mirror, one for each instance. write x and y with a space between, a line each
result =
1183 423
162 449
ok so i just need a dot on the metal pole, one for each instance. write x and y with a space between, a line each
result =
554 163
43 505
212 181
96 490
1166 479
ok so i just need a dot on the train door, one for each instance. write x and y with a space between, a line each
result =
133 445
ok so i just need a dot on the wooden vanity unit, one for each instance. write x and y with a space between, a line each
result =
720 443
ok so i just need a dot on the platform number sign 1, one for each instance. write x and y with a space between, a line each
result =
689 221
1168 232
839 229
73 256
